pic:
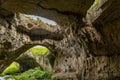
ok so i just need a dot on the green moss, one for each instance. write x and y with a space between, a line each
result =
34 74
13 68
96 1
39 51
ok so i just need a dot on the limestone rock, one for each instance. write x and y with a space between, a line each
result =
75 52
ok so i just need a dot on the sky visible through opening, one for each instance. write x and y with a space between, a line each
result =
45 20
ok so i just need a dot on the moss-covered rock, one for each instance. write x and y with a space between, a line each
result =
13 68
38 51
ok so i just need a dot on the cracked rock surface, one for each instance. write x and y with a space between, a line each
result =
87 46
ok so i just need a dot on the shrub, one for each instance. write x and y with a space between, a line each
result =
34 74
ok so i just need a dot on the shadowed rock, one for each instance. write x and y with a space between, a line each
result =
92 52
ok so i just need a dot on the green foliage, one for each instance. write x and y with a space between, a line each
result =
13 68
37 51
34 74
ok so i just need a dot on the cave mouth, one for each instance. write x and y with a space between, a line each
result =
39 28
35 61
43 19
37 56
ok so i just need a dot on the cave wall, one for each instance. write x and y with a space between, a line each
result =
10 41
89 47
90 61
16 37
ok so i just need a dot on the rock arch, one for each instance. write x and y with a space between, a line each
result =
75 52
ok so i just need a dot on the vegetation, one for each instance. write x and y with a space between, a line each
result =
13 68
37 51
33 74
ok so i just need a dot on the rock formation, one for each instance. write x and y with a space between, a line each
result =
86 46
29 60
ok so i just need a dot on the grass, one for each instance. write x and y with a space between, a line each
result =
34 74
31 74
37 51
13 68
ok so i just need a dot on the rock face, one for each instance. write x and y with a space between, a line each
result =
88 48
14 42
51 9
10 42
28 60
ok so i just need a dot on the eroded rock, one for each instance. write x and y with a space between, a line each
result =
76 52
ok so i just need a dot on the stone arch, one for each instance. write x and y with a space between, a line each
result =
34 57
14 42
